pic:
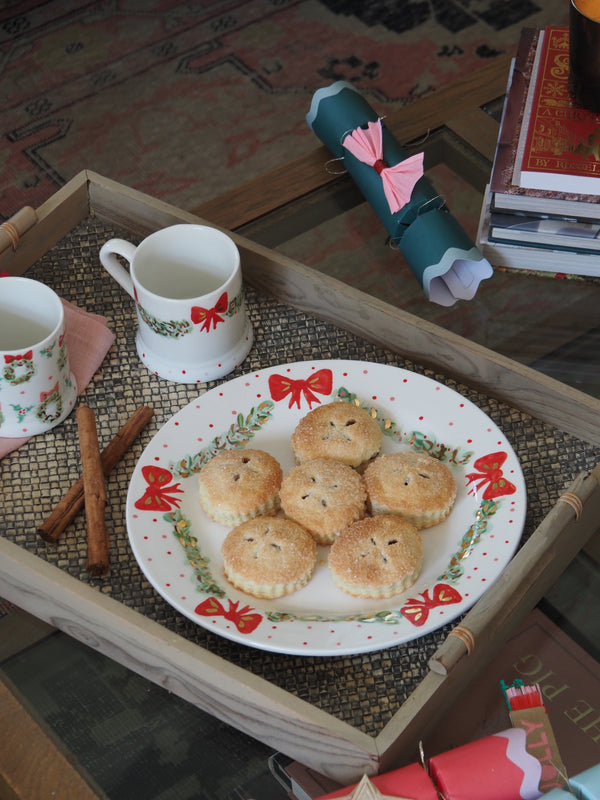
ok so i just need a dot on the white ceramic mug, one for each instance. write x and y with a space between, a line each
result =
186 281
37 388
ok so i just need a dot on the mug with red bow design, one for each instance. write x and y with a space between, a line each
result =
37 388
186 281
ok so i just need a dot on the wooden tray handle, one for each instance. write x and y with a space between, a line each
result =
12 230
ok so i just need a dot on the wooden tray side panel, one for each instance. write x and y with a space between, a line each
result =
139 213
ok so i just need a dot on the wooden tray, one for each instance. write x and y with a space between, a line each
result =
226 690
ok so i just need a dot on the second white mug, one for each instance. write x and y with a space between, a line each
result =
186 281
37 387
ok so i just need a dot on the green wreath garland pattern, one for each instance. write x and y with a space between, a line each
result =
176 329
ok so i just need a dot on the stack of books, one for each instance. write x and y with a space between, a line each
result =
541 210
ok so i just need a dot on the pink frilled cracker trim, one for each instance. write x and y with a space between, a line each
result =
399 180
88 340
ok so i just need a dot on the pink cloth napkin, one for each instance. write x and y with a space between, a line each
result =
88 340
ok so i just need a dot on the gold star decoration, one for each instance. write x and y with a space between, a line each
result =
365 790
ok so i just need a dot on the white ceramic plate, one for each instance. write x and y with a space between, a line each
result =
178 546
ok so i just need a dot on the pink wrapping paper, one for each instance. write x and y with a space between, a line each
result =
497 767
88 341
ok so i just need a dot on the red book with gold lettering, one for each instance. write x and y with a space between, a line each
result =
562 144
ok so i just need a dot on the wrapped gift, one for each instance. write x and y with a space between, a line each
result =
441 255
586 785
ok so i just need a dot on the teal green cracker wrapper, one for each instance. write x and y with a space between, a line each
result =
440 254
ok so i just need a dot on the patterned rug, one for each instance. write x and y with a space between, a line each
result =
185 100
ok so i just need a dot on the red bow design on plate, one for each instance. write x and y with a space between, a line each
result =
416 610
244 621
28 356
158 495
490 473
321 382
398 180
210 316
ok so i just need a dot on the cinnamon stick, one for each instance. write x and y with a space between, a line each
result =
94 492
73 501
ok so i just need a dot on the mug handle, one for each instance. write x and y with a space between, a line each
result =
108 256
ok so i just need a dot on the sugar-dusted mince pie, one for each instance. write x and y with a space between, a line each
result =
324 496
339 430
239 484
415 486
269 557
376 557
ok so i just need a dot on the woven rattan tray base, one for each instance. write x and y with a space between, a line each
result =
363 690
